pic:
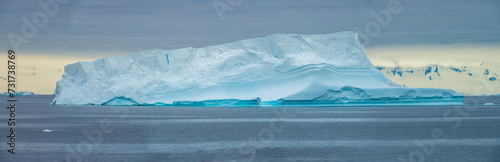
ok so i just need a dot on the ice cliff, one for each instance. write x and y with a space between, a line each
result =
272 70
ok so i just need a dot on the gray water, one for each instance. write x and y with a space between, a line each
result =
148 133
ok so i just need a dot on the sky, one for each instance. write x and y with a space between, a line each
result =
84 30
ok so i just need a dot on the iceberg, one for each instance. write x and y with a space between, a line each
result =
280 69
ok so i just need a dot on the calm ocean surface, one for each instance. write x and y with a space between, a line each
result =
148 133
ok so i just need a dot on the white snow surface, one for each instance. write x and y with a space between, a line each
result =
279 66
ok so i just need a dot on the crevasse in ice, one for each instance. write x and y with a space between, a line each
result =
280 69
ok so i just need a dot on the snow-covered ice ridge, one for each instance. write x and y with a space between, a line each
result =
471 79
280 69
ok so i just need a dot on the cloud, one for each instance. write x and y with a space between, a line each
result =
128 26
426 31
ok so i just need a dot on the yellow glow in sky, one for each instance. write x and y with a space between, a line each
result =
39 73
422 55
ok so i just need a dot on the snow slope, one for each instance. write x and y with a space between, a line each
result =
268 70
471 79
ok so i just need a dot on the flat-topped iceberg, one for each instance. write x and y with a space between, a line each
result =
281 69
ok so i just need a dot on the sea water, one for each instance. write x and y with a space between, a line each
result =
149 133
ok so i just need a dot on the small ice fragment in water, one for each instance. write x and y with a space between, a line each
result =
47 131
489 104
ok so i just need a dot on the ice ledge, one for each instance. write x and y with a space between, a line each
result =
346 96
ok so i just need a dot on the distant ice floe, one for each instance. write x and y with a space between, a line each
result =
19 93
